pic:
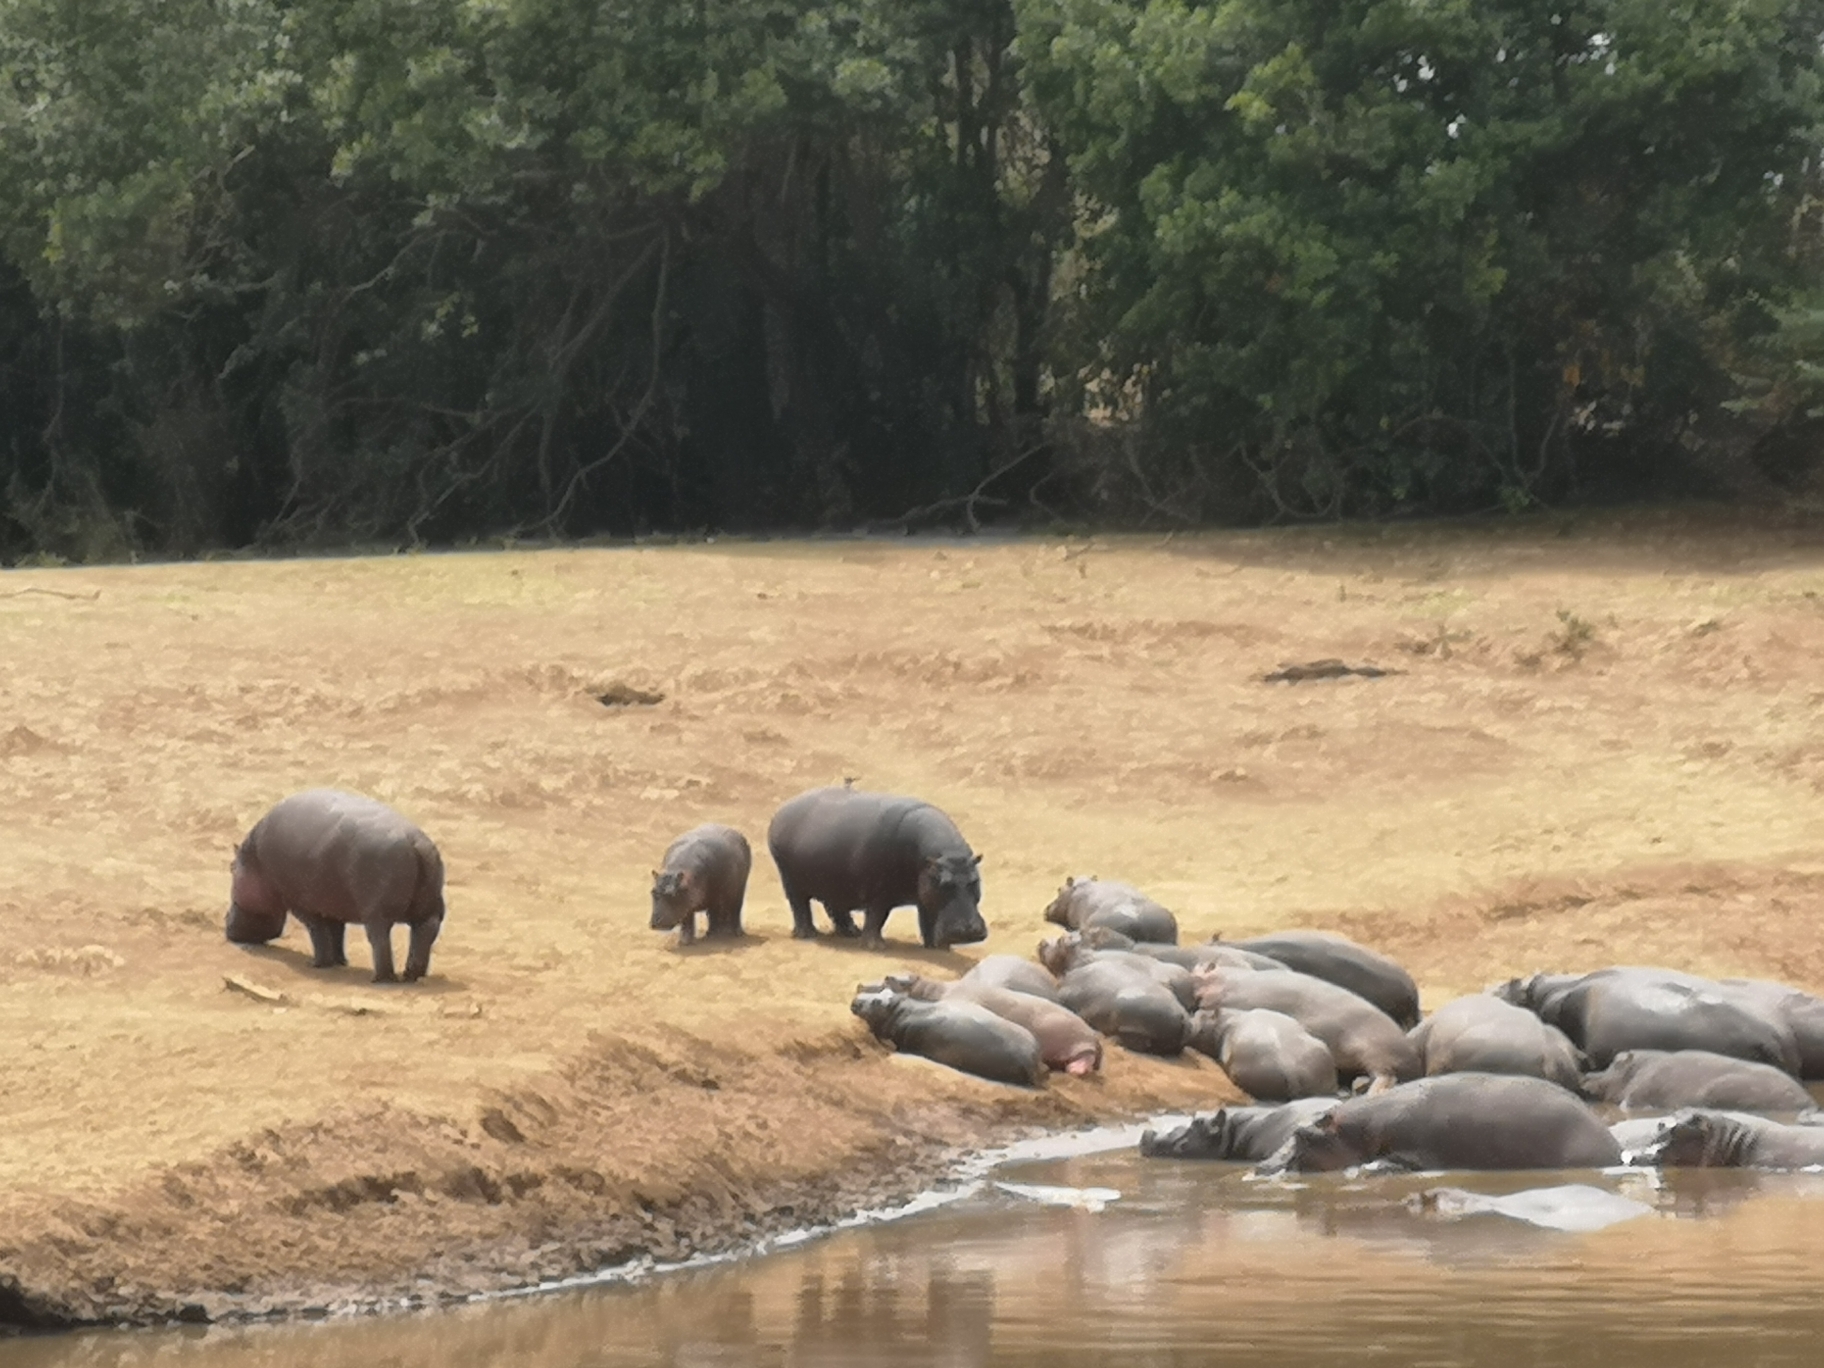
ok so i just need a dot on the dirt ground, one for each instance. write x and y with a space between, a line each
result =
1599 744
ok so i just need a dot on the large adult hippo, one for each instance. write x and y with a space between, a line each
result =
1666 1080
1362 1039
1266 1054
330 858
1339 960
1802 1013
1483 1034
705 870
961 1034
874 851
1717 1139
1014 974
1632 1008
1454 1121
1068 1043
1184 956
1063 953
1120 1001
1246 1134
1083 903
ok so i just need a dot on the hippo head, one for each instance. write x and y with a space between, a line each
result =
1319 1147
950 888
673 899
874 1003
1519 992
1693 1139
247 927
915 986
1058 912
1202 1137
1060 952
1105 938
255 914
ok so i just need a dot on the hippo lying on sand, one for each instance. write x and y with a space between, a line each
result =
1063 953
1083 903
1014 974
1339 960
1067 1042
1362 1039
961 1034
1715 1139
705 870
330 858
1247 1134
1666 1080
1456 1121
1120 1001
1184 956
1266 1054
848 849
1482 1034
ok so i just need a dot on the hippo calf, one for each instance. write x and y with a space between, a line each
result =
330 858
1063 953
964 1035
705 870
1014 974
1066 1042
1339 960
1083 903
1247 1134
1266 1054
1362 1039
848 849
1483 1034
1718 1139
1122 1002
1666 1080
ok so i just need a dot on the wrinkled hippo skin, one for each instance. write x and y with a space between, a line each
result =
1717 1139
848 849
1667 1080
1067 1043
1362 1039
1483 1034
1266 1054
330 858
1184 956
1120 1001
964 1035
1454 1121
1246 1134
1014 974
705 870
1083 903
1339 960
1063 953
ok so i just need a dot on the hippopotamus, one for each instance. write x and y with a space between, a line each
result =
874 851
1719 1139
1067 1042
1266 1054
705 870
1063 953
1454 1121
1801 1013
1362 1039
1014 974
964 1035
1665 1080
1483 1034
1120 1001
1339 960
1083 903
330 858
1184 956
1631 1008
1248 1134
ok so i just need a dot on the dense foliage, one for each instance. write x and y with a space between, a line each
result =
290 271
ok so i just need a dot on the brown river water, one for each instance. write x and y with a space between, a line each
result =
1192 1264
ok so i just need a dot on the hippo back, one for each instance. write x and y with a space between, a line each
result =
1339 960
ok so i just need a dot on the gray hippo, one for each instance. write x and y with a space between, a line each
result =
1802 1013
1666 1080
1631 1008
873 851
1266 1054
705 870
1483 1034
1362 1039
1014 974
1063 953
964 1035
1083 903
1339 960
1120 1001
1247 1134
1454 1121
1716 1139
1067 1042
1184 956
330 858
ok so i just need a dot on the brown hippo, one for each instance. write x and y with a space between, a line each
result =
1014 974
1363 1040
1120 1001
1184 956
964 1035
1082 903
1066 1041
1267 1054
705 870
1666 1080
330 858
1063 953
849 849
1718 1139
1339 960
1482 1034
1247 1134
1454 1121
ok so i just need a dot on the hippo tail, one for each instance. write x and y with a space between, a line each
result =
427 898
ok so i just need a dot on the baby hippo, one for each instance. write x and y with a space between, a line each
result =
964 1035
1066 1041
705 871
1267 1054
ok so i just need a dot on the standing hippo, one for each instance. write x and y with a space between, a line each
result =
1267 1054
1184 956
1455 1121
1014 974
1339 960
1666 1080
1482 1034
330 858
1083 903
1121 1002
705 870
1066 1041
1717 1139
1247 1134
849 849
964 1035
1362 1039
1063 953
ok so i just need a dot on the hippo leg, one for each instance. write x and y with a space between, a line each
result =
927 927
418 951
326 941
874 926
687 930
802 926
725 921
380 937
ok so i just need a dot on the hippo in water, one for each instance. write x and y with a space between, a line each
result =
1068 1043
1718 1139
1247 1134
849 849
1362 1039
330 858
1083 903
1014 974
1665 1080
705 870
1184 956
1266 1054
1122 1002
964 1035
1339 960
1454 1121
1482 1034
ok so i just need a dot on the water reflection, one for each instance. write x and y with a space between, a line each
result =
1196 1264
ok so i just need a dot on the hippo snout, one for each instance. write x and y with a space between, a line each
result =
965 929
245 927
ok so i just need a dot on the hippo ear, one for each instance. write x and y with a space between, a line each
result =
976 859
656 876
